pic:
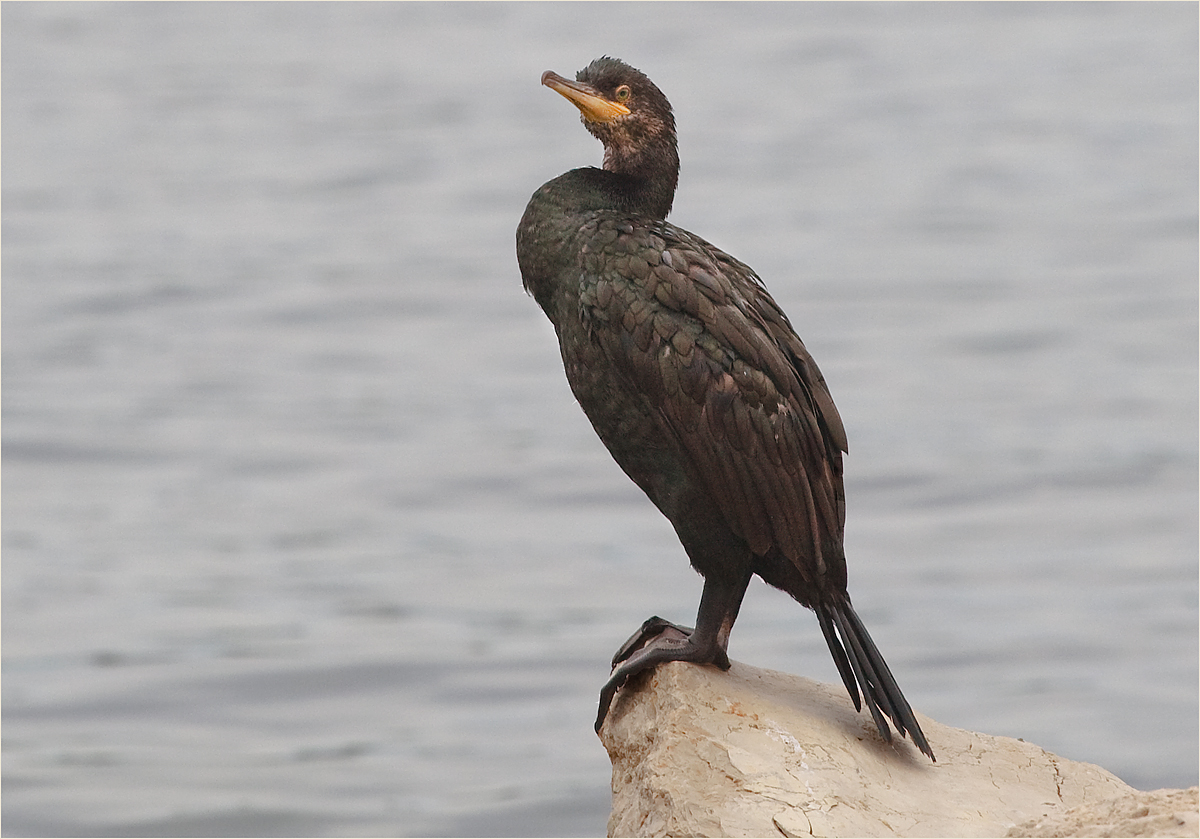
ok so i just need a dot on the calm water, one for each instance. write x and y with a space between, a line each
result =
303 532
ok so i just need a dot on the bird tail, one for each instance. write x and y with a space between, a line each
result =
860 663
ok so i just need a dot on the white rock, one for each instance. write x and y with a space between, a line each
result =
1163 812
749 752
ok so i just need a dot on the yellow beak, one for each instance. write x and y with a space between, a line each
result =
593 106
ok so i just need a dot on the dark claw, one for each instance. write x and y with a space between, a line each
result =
606 697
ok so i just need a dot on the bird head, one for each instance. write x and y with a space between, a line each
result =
623 109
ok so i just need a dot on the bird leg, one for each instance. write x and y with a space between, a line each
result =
660 640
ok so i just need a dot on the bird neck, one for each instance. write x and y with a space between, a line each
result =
647 176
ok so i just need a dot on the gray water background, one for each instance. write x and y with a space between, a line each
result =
303 532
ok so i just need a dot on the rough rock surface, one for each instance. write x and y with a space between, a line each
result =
1163 812
749 752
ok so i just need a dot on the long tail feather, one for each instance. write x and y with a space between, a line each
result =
861 665
839 655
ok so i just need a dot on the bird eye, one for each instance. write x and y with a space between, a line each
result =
623 93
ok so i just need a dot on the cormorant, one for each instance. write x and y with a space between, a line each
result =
696 382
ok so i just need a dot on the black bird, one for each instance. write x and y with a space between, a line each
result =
696 382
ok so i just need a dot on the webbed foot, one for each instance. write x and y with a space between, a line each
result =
646 633
657 640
